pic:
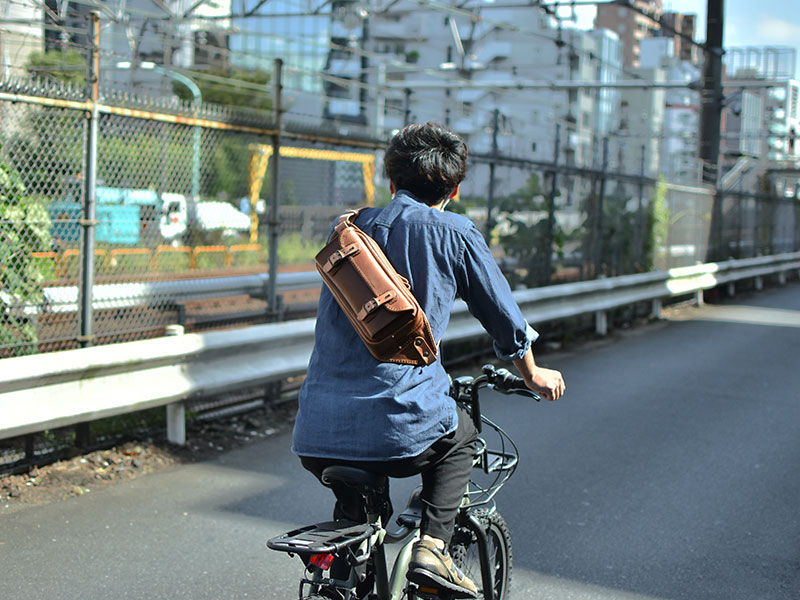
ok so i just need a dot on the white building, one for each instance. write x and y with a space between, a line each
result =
20 36
763 124
679 161
410 54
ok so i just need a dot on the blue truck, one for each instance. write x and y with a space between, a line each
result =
124 216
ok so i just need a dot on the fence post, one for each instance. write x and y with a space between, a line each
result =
551 211
598 249
640 234
490 199
273 213
88 221
407 106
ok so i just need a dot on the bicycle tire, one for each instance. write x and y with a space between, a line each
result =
464 550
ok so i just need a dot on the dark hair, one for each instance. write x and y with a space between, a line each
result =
429 160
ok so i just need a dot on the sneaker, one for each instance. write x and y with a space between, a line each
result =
432 569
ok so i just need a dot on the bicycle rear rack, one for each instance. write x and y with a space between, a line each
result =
323 538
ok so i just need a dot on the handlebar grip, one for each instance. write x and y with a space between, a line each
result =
508 383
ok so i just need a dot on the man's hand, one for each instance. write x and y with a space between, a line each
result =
548 383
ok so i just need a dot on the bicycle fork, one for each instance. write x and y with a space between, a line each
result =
487 570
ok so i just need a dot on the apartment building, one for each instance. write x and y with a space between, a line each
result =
763 124
680 28
679 161
630 25
412 64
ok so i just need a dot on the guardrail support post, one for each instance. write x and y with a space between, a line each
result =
782 277
176 412
655 308
731 289
699 298
759 281
176 423
601 322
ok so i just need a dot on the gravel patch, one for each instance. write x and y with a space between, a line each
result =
85 473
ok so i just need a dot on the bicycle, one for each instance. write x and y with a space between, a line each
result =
346 560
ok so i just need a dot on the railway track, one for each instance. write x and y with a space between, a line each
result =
148 316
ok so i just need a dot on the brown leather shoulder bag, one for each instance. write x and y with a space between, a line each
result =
375 297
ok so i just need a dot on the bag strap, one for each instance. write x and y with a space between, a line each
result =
385 219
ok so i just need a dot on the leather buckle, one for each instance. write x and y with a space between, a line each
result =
338 256
371 305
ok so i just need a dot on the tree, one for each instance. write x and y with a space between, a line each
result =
219 86
524 216
24 229
68 66
621 229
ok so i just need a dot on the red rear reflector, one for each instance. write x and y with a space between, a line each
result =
323 561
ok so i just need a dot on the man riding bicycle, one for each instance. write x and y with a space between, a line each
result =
398 420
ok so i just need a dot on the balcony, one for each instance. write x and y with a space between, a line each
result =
493 50
349 68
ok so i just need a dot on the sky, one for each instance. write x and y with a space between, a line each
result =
747 22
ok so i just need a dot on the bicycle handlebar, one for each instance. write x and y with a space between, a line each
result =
506 382
467 389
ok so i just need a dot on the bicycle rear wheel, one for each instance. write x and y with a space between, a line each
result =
465 553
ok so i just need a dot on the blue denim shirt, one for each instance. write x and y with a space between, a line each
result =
354 407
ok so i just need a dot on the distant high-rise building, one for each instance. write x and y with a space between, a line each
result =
630 25
681 28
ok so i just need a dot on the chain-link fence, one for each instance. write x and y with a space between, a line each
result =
183 193
173 203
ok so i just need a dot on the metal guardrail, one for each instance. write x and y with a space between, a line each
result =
73 386
114 296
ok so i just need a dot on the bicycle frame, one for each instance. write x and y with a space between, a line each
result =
364 543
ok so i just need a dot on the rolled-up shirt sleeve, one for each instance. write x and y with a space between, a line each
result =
486 292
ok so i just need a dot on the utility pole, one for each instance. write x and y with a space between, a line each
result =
490 199
711 99
711 120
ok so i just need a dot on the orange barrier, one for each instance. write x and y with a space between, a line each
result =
167 250
122 252
209 250
74 252
62 263
54 257
240 249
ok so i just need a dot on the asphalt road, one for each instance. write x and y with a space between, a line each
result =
668 471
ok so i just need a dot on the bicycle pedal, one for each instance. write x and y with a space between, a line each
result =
428 593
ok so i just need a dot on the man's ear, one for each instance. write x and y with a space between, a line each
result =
392 189
453 194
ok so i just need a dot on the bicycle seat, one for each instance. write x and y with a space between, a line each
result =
363 481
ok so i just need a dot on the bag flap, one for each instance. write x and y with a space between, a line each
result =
376 271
